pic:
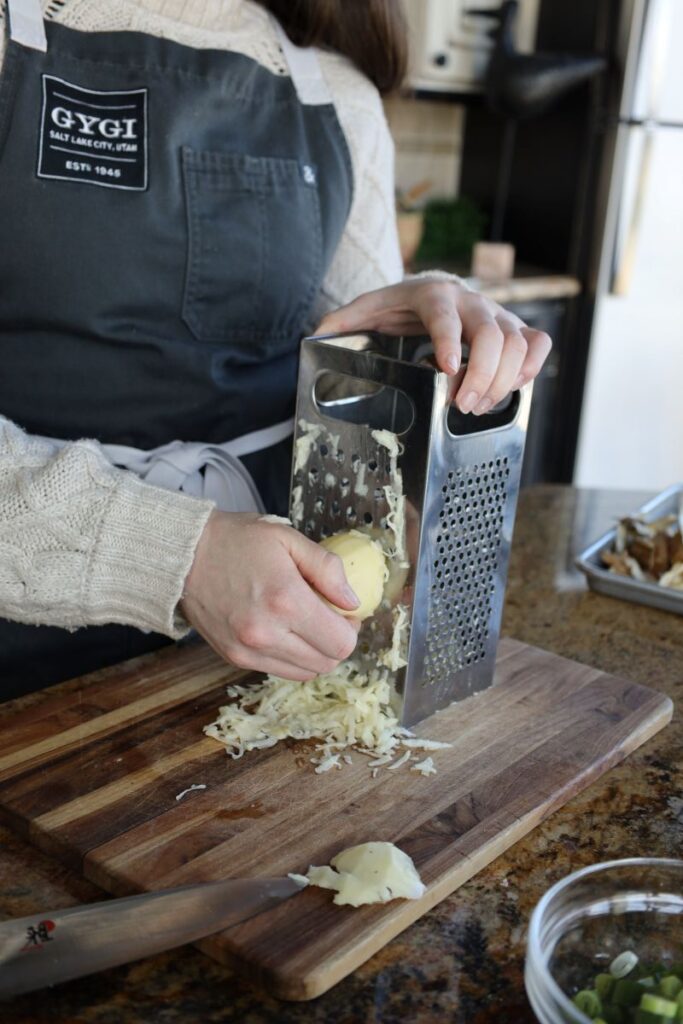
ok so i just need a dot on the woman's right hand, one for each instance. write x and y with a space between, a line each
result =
253 593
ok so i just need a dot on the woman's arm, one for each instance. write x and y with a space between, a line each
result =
83 543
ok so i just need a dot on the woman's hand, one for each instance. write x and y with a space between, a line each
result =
504 352
251 593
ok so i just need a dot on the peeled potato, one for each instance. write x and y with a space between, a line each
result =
365 568
369 873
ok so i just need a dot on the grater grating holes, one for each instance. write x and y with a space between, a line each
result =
331 502
463 585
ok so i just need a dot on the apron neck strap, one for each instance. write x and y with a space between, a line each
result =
304 67
26 24
27 27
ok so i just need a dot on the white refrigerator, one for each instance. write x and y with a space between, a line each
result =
631 427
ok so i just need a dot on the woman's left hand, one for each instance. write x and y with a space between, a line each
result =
504 352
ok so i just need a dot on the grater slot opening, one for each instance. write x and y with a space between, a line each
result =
501 416
339 396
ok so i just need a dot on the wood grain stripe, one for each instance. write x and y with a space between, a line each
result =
122 789
106 723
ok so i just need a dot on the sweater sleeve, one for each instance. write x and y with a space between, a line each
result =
368 254
83 543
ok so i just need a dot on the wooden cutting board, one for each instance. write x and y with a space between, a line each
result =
91 776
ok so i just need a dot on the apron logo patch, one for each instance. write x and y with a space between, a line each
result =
93 136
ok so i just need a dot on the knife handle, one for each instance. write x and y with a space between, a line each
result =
56 946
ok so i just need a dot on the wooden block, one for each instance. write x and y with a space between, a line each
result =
493 261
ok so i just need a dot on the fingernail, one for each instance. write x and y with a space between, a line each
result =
483 407
350 596
469 401
518 383
453 363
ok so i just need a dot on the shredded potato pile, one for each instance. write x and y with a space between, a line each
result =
344 709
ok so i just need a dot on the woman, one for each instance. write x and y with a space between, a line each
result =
181 199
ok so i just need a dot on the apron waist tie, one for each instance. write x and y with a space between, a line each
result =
212 471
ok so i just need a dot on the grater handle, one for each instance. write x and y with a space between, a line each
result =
508 413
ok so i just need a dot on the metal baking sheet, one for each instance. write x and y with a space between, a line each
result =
604 582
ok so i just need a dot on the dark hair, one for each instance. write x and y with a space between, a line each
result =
371 33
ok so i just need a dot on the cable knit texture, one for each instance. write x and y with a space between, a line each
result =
83 543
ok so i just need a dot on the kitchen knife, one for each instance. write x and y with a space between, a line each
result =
55 946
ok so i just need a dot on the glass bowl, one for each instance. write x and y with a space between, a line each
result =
584 921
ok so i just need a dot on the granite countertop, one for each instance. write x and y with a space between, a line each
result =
463 961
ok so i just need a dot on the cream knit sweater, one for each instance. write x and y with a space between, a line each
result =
84 543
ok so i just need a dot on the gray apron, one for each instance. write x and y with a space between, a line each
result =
167 216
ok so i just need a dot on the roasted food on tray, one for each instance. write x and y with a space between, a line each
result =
651 552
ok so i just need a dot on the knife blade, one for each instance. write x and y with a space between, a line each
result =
46 948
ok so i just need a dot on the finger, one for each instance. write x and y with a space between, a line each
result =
330 634
294 606
296 650
253 661
486 346
437 309
323 570
329 637
303 652
511 360
539 345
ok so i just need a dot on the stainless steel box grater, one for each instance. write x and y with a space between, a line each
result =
460 478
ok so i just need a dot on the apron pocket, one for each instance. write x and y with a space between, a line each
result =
254 261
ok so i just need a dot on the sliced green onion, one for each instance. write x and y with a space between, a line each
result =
604 985
670 986
623 964
652 994
614 1014
656 1004
588 1002
627 992
645 1017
